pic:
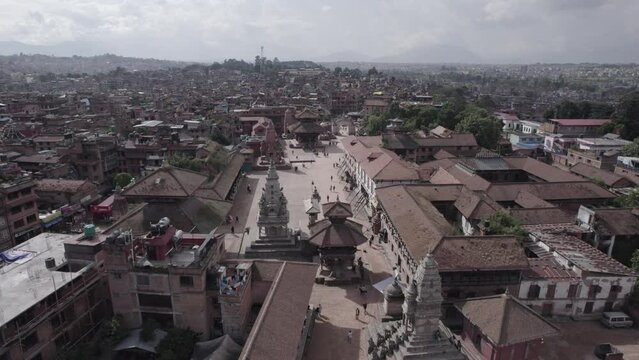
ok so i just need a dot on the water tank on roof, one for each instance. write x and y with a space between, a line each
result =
49 263
89 231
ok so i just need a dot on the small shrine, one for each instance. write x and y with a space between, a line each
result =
418 335
336 238
312 207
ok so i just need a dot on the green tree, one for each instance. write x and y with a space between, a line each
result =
447 116
182 161
634 261
631 149
502 223
177 344
372 71
486 102
337 71
394 110
486 128
630 200
627 115
375 125
122 179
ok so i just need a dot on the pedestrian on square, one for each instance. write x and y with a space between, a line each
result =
357 313
327 198
349 336
232 229
331 177
365 305
237 219
370 241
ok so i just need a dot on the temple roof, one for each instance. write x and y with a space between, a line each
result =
326 234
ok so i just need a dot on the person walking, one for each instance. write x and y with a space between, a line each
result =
365 305
349 336
237 219
357 313
232 229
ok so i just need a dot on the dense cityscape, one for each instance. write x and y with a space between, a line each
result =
299 210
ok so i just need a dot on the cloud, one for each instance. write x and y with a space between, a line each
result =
462 30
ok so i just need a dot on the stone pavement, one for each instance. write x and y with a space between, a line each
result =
329 339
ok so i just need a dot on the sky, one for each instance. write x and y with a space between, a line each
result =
422 31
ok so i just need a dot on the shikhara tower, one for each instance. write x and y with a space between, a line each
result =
273 219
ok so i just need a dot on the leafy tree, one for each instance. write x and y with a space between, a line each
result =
182 161
631 149
219 137
627 115
394 110
122 179
375 125
177 344
148 330
502 223
372 71
447 116
634 261
486 128
337 70
486 102
630 200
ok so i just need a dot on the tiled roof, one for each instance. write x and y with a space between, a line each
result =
417 221
547 268
378 163
550 191
505 320
528 200
325 234
580 122
532 216
459 253
592 173
62 185
167 181
276 333
618 221
582 255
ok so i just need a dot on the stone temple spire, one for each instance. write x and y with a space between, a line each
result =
425 320
273 218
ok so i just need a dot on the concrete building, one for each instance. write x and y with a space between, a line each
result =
18 211
166 275
55 193
582 282
49 301
573 127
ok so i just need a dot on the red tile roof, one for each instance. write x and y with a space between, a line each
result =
580 122
469 253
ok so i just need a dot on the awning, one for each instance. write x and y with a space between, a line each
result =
52 222
380 286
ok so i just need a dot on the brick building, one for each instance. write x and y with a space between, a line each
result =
18 211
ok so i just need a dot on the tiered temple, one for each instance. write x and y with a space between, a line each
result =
418 335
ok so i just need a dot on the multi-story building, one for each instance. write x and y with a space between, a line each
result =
18 202
49 303
166 275
96 158
571 278
573 127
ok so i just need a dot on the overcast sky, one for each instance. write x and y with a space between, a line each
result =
470 31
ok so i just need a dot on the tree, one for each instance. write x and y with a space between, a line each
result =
486 128
177 344
372 71
182 161
486 102
502 223
631 149
122 180
447 116
634 261
337 71
627 115
394 110
631 200
375 125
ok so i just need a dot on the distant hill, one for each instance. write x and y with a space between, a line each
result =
42 64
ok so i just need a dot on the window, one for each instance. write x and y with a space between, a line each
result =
163 301
28 205
593 291
572 291
550 292
614 291
186 281
568 306
31 218
18 224
26 191
533 291
142 280
30 340
13 195
16 209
